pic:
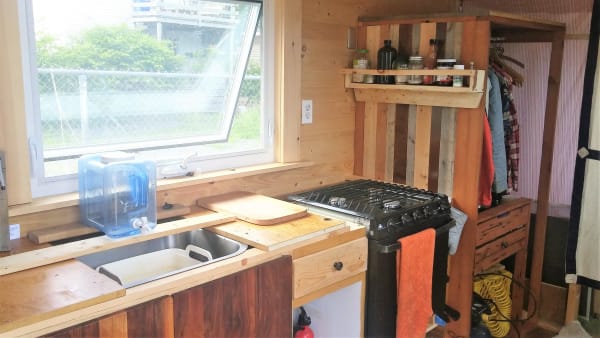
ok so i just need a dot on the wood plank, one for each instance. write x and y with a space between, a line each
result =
151 319
253 208
288 84
466 181
13 125
390 143
447 148
359 138
543 197
41 257
277 236
419 97
38 294
422 147
359 112
370 139
434 148
410 146
113 326
274 291
381 139
400 147
60 232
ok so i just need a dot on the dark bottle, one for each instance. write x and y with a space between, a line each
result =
385 60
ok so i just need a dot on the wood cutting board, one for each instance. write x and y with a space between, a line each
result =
280 235
36 294
253 208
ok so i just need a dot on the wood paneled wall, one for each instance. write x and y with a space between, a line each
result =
328 142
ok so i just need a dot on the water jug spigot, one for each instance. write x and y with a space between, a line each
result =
142 224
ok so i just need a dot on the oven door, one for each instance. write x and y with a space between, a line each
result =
381 294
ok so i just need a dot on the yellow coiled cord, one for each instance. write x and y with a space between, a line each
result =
497 289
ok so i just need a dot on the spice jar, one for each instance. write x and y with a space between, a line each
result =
360 61
415 62
457 80
402 79
445 79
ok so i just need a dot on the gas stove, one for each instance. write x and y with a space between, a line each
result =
388 210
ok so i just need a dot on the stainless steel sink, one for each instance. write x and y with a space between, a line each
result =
143 262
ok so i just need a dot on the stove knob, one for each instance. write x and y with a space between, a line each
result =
417 214
406 218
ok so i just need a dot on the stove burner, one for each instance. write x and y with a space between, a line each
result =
392 210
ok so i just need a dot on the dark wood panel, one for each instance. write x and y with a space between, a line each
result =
90 329
256 302
150 319
275 298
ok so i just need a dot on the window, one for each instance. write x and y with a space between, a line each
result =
166 79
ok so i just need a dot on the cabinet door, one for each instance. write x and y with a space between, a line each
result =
256 302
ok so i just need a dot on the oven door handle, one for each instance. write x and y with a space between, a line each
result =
393 247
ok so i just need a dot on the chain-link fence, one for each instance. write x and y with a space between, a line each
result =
84 108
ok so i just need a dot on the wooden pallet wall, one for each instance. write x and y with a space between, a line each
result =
408 144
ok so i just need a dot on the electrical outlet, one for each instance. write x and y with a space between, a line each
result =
307 111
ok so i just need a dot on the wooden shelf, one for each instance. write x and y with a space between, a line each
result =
426 95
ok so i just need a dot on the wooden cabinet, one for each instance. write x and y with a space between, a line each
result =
256 302
151 319
324 268
503 231
434 141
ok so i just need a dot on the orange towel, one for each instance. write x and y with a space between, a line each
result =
414 270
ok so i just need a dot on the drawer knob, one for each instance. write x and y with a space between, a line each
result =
338 266
504 245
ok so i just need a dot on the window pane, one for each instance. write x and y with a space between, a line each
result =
164 78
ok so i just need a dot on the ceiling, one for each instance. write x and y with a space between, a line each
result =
532 6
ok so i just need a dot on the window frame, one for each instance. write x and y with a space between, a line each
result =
45 186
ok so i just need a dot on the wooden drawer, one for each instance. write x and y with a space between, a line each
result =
501 248
503 222
329 266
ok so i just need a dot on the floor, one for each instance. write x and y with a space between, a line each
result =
536 333
592 327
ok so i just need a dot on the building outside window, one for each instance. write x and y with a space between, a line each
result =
169 80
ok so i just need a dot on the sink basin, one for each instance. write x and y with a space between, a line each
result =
143 262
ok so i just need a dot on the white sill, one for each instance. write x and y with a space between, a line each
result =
72 199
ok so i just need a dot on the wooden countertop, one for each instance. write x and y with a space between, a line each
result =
40 320
37 294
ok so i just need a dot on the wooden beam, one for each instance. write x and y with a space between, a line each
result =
422 146
370 139
288 83
539 230
465 192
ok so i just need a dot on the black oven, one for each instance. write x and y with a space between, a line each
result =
388 211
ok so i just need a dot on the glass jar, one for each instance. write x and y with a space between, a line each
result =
402 79
415 62
444 79
457 80
360 61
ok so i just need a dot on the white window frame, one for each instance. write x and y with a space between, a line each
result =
45 186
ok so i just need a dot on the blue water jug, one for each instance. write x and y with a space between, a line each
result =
117 194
